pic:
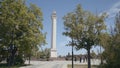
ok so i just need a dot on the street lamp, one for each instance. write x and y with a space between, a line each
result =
72 54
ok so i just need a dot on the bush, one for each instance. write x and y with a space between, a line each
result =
19 60
0 59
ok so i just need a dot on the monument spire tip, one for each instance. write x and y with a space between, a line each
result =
54 11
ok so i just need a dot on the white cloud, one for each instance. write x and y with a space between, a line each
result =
113 10
111 14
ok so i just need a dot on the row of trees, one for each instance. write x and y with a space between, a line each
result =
20 29
86 30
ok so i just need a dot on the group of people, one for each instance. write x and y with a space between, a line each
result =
82 59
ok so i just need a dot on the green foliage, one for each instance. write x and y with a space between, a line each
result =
84 28
21 26
93 54
45 54
19 60
3 54
112 49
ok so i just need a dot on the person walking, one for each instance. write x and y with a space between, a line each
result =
75 59
80 59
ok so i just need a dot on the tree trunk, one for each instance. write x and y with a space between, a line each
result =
101 56
29 59
89 62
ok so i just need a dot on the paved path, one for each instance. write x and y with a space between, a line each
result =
54 64
48 64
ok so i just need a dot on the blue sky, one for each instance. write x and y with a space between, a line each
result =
62 7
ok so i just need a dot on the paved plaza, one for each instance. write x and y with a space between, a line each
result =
55 64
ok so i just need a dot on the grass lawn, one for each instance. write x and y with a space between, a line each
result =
4 65
80 66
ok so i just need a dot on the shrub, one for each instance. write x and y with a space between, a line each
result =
19 60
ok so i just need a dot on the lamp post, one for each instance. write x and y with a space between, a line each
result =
72 47
72 54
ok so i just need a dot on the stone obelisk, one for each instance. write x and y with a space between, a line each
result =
53 39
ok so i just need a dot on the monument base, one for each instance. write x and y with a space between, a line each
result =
53 53
53 59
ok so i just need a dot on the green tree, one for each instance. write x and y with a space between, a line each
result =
45 54
21 28
84 29
93 54
112 49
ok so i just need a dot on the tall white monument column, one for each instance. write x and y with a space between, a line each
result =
53 39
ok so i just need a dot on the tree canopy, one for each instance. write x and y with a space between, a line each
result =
20 26
112 48
84 28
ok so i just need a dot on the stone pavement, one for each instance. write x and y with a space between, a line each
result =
56 64
47 64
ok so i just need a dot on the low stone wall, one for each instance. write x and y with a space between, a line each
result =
57 59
